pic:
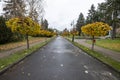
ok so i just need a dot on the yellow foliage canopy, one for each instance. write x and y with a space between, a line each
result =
74 31
46 33
24 25
65 33
96 29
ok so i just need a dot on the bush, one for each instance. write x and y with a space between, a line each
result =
5 33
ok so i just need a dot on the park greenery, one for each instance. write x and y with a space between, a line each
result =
25 19
25 26
96 29
13 45
73 32
107 12
108 43
22 19
5 33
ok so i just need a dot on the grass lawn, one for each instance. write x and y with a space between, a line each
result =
108 43
12 45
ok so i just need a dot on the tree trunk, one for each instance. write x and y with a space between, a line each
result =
93 43
79 33
73 38
114 31
114 24
27 41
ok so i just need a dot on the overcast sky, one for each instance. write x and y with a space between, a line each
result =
60 13
1 6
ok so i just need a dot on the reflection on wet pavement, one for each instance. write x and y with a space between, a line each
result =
60 60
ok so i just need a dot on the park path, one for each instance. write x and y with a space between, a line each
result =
113 54
60 60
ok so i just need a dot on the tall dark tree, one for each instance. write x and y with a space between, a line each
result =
113 7
87 20
92 14
5 33
102 12
80 23
44 24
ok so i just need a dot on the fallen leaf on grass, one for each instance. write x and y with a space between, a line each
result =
2 66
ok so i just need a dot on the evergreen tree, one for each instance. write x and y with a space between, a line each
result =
44 24
87 20
5 33
92 14
102 12
80 23
113 7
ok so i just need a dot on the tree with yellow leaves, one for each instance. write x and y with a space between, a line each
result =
46 33
24 25
65 32
73 32
96 29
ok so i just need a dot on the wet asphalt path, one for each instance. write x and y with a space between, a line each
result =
60 60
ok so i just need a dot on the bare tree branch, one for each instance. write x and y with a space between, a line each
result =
36 9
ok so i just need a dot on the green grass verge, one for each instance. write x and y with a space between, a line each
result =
7 61
108 43
107 60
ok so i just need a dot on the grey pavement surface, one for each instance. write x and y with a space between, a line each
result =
60 60
107 52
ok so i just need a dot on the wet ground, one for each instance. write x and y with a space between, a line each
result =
60 60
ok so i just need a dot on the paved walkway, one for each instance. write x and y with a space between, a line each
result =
60 60
14 50
114 55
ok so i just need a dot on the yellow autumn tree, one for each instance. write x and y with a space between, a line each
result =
96 29
73 32
65 32
24 25
44 33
